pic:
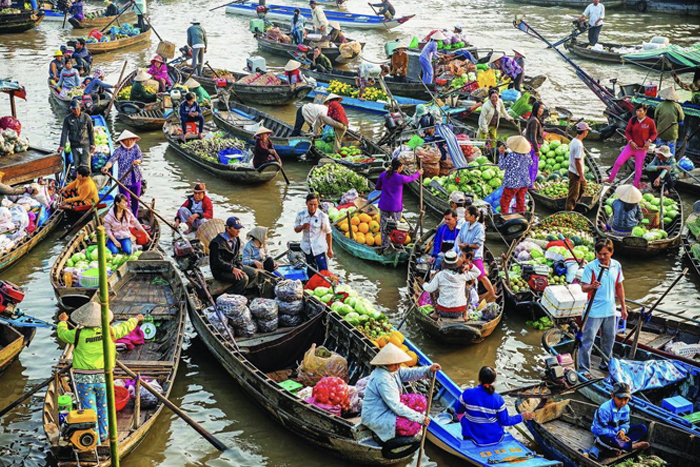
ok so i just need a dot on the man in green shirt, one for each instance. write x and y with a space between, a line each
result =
320 62
669 115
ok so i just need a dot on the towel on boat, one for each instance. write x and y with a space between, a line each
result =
134 338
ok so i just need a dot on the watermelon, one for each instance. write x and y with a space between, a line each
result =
481 160
426 181
639 231
554 144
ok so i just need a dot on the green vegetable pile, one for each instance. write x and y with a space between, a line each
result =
332 180
651 203
541 324
209 148
560 189
427 309
481 180
694 226
643 460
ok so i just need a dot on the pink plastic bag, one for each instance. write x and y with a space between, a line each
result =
333 409
425 299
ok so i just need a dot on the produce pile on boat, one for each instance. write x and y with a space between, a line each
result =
347 153
83 266
10 11
333 180
650 203
21 216
210 147
560 189
345 89
11 142
554 161
694 227
115 33
481 179
125 93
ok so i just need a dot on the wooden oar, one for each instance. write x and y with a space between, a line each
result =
116 17
198 428
689 174
117 86
237 2
427 414
34 390
383 22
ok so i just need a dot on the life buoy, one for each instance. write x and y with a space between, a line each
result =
642 6
400 447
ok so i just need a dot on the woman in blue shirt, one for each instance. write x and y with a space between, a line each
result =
626 211
485 412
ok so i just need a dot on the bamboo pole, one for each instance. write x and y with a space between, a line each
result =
137 403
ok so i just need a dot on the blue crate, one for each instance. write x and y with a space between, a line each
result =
678 405
292 273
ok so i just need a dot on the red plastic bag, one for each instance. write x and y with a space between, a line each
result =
96 34
331 390
319 281
12 123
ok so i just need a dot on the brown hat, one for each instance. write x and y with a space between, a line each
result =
200 188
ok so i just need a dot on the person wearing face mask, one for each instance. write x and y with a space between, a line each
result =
196 210
491 113
127 155
640 133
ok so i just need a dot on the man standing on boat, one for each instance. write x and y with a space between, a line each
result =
78 130
111 9
318 16
577 179
317 237
197 40
669 115
140 9
596 14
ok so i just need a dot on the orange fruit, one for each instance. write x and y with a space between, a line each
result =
344 226
347 234
363 227
360 238
383 340
398 336
365 218
374 226
395 340
355 221
354 228
414 358
404 348
369 239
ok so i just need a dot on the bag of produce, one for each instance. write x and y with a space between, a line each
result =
417 402
290 321
289 291
239 317
290 308
220 322
248 329
228 303
267 325
320 362
331 390
263 309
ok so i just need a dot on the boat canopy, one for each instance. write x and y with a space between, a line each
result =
678 58
13 88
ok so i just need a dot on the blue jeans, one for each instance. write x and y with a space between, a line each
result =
127 246
320 262
298 36
635 433
671 144
593 33
607 339
94 396
197 60
427 68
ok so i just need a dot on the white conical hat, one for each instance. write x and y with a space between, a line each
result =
669 94
191 83
335 25
519 144
438 36
262 130
142 76
331 97
292 65
390 355
628 194
126 134
89 315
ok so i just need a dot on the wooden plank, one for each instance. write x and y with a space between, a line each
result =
29 165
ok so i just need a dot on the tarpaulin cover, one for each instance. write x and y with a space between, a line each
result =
646 375
683 57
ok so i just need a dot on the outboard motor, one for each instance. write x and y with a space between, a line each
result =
10 296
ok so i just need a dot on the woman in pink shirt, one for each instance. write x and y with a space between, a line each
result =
159 72
118 224
640 132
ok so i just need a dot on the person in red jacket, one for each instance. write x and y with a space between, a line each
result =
196 210
640 132
337 118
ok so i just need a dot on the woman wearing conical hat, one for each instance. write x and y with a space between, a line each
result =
127 155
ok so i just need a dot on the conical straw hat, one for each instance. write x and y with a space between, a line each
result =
126 134
191 83
519 144
390 355
628 194
669 94
89 315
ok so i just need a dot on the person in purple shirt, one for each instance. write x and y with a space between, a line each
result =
391 183
445 237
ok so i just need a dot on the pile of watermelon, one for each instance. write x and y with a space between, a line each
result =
481 179
651 203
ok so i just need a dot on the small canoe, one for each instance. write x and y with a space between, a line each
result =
446 330
97 20
96 48
12 341
274 95
570 3
690 242
563 430
243 121
142 115
687 184
22 21
632 245
260 364
377 159
610 53
74 296
62 104
242 172
285 49
153 287
346 20
446 433
410 88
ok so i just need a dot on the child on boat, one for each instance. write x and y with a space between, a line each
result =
611 423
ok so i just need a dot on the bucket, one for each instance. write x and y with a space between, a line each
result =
121 397
231 156
89 278
65 402
650 90
257 25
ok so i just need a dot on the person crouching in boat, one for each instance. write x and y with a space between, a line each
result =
451 285
382 403
485 412
196 210
664 168
264 151
118 224
626 211
80 192
88 356
191 112
255 252
611 423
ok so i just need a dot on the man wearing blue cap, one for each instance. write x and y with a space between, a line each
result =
225 258
78 130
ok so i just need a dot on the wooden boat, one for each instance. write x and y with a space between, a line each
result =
377 158
687 184
22 21
346 20
608 54
410 88
96 48
446 330
242 121
153 287
636 245
446 433
563 430
570 3
98 20
282 94
63 103
12 341
587 202
688 241
74 296
284 50
242 172
260 363
378 107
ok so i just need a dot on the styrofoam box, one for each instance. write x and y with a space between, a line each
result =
564 301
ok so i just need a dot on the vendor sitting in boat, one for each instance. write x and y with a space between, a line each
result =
159 72
255 251
451 284
485 412
191 112
292 72
611 423
264 151
445 236
80 192
68 79
82 57
56 66
336 36
320 62
201 94
118 225
626 211
139 93
224 258
382 404
196 210
663 169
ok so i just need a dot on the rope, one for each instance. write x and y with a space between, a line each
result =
159 281
693 87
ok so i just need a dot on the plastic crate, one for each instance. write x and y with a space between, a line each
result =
677 405
291 273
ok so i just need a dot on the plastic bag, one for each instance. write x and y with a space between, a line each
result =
361 386
11 123
333 409
312 309
354 401
148 400
290 321
305 393
247 329
289 291
219 323
417 402
320 362
239 317
290 308
267 325
229 303
263 309
349 197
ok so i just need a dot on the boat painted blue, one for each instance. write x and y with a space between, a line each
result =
448 434
367 106
53 15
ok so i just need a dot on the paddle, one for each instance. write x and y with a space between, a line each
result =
34 390
114 93
689 174
197 427
568 247
675 315
425 428
116 17
387 28
79 225
237 2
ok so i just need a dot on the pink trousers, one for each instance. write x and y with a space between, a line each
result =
625 155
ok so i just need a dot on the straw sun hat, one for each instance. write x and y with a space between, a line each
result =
390 355
90 315
438 36
519 144
331 97
669 94
262 130
142 76
292 65
629 194
126 134
192 84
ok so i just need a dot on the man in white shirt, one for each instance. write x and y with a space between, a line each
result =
577 177
313 115
596 14
318 16
317 237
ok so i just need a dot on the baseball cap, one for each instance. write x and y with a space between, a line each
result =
582 126
234 222
622 391
75 104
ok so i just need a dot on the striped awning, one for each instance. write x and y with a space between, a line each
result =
679 57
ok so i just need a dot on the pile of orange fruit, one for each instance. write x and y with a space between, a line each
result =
396 338
365 229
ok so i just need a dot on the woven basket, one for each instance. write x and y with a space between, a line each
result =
207 232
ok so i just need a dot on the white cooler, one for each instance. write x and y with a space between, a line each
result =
564 301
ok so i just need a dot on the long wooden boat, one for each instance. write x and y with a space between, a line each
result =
20 22
96 48
242 121
687 184
688 241
63 103
242 172
563 430
14 255
98 20
12 341
410 88
446 330
570 3
153 287
636 245
284 50
445 432
260 363
407 104
74 296
377 158
274 95
583 50
346 20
